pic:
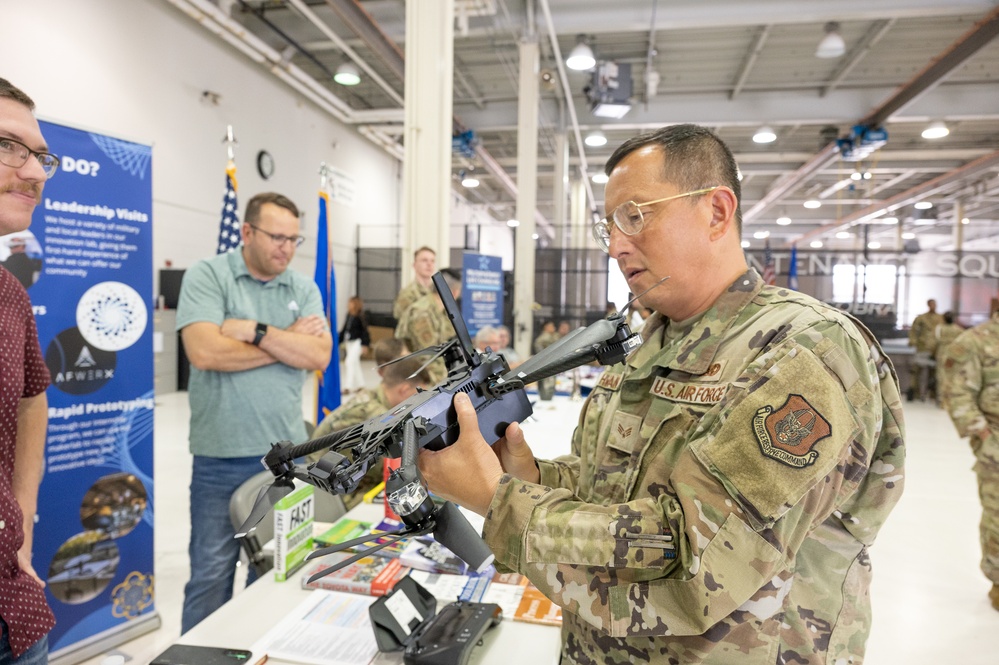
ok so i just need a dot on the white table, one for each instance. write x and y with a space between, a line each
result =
244 619
549 430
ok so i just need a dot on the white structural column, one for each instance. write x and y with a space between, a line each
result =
560 190
428 128
527 196
579 214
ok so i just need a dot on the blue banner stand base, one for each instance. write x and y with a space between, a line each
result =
105 641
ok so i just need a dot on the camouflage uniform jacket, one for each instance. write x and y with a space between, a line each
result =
945 334
971 365
410 294
726 482
424 324
363 406
922 334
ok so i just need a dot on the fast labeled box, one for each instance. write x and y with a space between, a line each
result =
293 517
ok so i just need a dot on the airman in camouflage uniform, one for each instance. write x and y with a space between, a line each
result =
922 335
971 366
424 264
425 324
728 478
409 295
946 333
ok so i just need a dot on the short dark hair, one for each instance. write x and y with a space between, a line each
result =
387 349
694 158
9 91
400 372
452 277
280 200
423 249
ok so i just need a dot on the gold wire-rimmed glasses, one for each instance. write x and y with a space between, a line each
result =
628 217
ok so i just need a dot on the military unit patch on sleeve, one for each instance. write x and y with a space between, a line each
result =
789 433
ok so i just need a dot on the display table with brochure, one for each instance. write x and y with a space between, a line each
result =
254 614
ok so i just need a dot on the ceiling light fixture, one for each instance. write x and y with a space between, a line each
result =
832 45
513 223
783 220
815 244
599 178
936 130
908 235
347 74
469 182
764 134
922 205
745 244
581 57
965 220
889 220
812 204
874 244
843 235
595 139
761 235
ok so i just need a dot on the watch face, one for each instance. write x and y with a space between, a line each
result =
265 164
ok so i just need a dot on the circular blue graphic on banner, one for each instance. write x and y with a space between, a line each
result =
76 367
111 316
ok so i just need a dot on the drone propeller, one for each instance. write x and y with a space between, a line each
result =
450 529
565 351
390 537
266 498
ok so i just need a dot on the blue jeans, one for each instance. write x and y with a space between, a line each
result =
37 653
213 550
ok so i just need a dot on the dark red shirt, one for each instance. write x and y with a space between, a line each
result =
22 374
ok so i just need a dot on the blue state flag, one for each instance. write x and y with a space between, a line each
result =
229 236
328 382
792 271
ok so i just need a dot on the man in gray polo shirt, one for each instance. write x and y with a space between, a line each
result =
252 330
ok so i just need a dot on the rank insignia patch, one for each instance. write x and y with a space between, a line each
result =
789 433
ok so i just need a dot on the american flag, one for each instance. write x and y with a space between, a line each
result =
229 226
769 275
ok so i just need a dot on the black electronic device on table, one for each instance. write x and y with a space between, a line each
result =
450 636
188 654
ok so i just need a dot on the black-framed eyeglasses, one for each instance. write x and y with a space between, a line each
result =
628 217
15 154
279 239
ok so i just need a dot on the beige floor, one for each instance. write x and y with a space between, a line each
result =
929 597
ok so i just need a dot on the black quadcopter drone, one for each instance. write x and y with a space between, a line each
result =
428 420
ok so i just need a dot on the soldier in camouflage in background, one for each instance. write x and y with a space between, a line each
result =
425 323
395 388
971 396
728 478
945 333
424 265
922 335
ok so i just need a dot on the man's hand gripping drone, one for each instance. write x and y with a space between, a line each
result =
428 420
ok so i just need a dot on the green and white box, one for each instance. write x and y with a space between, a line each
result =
293 517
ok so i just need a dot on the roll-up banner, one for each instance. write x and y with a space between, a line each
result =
90 283
481 291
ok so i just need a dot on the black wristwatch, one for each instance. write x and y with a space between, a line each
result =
261 331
